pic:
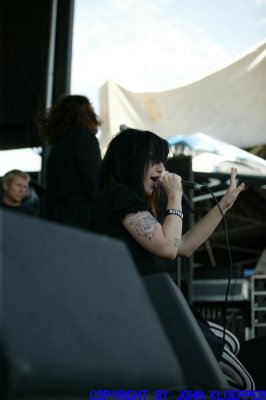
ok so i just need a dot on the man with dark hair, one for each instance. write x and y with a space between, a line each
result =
14 190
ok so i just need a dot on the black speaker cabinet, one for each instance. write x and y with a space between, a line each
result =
75 315
200 368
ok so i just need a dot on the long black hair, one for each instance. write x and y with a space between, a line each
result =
129 155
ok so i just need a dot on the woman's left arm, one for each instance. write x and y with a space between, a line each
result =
202 230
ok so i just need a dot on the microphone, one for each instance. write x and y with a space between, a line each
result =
192 185
123 127
189 185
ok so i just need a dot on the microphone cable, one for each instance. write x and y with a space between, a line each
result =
230 259
197 187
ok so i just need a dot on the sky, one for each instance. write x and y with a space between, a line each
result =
156 45
152 45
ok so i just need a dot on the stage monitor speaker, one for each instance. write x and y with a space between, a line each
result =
75 315
200 367
181 165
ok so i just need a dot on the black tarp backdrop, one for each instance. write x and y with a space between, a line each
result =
24 45
27 51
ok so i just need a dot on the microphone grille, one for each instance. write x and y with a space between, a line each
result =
123 127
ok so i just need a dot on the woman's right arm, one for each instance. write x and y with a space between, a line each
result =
160 240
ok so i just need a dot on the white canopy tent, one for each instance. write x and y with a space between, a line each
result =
229 105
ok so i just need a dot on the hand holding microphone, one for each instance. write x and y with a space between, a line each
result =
185 184
171 183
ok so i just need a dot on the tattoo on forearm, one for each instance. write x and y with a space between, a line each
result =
177 242
145 225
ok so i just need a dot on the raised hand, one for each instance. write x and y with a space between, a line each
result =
232 192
